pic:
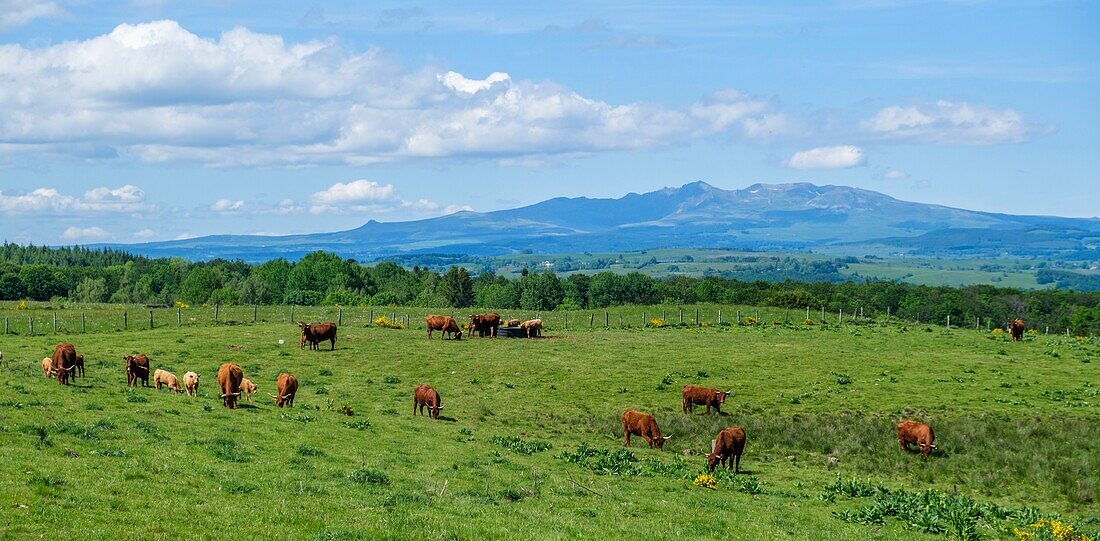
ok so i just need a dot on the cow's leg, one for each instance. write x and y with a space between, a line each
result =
718 409
737 464
333 347
626 436
901 445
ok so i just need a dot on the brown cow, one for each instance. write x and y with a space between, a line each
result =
485 324
191 383
247 387
63 362
446 324
229 379
1016 329
711 398
644 425
916 433
47 368
512 323
425 395
730 442
79 366
286 385
168 379
137 368
532 327
315 333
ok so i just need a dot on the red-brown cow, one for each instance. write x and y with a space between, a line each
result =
1016 329
916 433
644 425
485 324
63 362
447 324
78 368
286 385
315 333
426 396
711 398
729 443
137 368
229 379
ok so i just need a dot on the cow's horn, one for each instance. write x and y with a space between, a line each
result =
439 407
224 395
286 397
729 391
666 437
238 393
275 397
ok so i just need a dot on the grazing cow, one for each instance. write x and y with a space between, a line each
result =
711 398
229 379
425 395
165 378
315 333
485 324
64 362
644 425
247 387
512 323
286 385
1016 329
916 433
532 327
191 383
137 368
730 442
446 324
47 368
78 368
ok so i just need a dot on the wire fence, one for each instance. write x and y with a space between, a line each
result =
45 318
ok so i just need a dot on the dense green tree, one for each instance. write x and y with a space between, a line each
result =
199 284
457 288
91 290
40 282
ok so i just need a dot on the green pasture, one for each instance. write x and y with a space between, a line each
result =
528 445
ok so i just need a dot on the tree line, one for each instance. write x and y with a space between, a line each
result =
321 278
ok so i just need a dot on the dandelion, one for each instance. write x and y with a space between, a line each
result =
381 321
1023 535
21 306
658 323
705 480
749 321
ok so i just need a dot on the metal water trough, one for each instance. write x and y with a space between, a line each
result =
512 332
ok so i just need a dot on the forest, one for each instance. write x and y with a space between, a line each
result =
77 274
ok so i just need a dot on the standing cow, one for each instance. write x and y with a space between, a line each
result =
137 368
1016 329
729 443
164 378
63 362
484 324
426 396
286 385
446 324
711 398
916 433
532 327
191 383
247 387
229 379
315 333
644 425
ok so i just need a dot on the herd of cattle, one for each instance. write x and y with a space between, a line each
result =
727 446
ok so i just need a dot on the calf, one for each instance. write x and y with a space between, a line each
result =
191 383
916 433
532 327
644 425
78 367
247 387
425 395
730 442
512 323
446 324
286 385
137 368
229 379
47 368
63 362
164 378
711 398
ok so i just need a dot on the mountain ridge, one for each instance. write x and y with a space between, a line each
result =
791 216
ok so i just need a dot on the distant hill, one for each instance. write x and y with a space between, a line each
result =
799 216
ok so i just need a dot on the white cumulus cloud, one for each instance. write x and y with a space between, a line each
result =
456 81
227 205
125 199
949 122
835 157
354 191
15 13
85 233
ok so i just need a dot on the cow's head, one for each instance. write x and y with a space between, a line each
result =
475 320
720 396
303 326
659 442
458 335
712 460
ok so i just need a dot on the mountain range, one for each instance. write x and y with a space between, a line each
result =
794 217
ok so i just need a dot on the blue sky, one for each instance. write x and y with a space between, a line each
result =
146 120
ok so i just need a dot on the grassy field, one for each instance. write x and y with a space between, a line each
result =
528 444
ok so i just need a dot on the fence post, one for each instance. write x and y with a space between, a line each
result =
567 321
644 322
253 313
83 323
30 323
681 316
787 314
887 312
179 316
55 323
948 321
151 326
807 313
292 313
371 322
606 317
620 321
591 317
5 325
738 317
719 317
125 323
217 309
840 317
823 314
697 323
393 316
340 316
